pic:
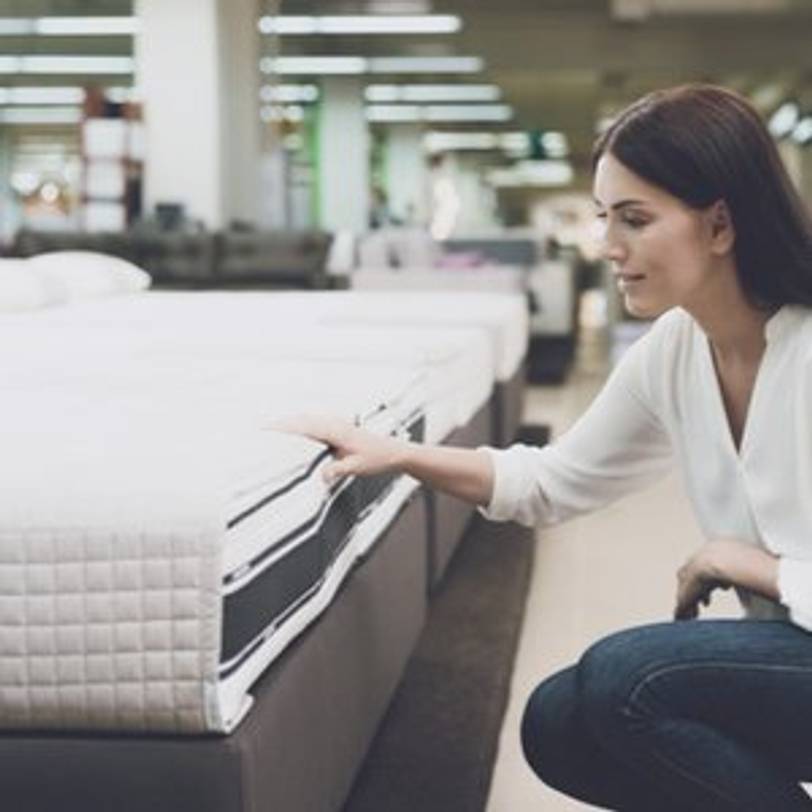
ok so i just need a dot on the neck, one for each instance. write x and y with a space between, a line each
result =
734 327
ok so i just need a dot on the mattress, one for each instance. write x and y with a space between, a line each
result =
161 543
502 317
458 362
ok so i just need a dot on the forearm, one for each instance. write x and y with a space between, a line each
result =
746 566
462 472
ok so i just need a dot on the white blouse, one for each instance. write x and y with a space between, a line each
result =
663 402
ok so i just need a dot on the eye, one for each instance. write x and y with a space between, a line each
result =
634 221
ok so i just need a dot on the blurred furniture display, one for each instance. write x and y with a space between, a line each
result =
112 148
500 250
502 263
196 258
284 258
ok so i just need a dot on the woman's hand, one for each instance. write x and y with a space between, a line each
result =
697 578
357 451
720 564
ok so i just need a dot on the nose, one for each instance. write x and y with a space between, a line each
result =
611 248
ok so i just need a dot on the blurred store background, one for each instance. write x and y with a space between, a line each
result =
381 144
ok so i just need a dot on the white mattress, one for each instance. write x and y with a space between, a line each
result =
152 528
502 317
458 361
146 505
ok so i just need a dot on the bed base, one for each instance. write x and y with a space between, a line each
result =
315 713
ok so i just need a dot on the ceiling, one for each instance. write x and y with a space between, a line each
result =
561 64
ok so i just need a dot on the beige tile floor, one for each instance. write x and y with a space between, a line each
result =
610 570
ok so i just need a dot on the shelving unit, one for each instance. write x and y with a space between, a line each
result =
112 150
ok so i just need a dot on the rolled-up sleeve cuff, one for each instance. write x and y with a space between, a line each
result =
507 475
795 589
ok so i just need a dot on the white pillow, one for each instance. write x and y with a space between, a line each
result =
22 289
87 274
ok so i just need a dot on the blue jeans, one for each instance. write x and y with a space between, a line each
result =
707 715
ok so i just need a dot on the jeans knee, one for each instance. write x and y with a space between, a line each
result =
608 675
546 729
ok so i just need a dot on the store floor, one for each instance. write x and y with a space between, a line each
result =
592 576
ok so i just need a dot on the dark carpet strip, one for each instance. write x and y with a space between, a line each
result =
435 749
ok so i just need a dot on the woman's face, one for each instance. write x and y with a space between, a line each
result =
661 251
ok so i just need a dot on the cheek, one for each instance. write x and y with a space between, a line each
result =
674 248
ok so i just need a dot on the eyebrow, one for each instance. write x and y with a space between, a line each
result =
621 204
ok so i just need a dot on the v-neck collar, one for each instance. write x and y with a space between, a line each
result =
773 328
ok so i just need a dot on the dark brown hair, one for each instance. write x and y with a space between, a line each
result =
703 143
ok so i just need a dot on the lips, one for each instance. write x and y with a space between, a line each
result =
629 281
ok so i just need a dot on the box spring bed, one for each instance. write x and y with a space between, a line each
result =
326 678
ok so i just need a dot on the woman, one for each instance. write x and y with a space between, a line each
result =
703 229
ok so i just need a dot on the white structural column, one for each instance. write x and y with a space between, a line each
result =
197 71
407 176
343 156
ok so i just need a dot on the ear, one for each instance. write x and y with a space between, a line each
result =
722 233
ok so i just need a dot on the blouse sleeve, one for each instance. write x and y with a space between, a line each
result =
795 589
616 447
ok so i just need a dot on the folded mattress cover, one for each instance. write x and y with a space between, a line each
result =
161 543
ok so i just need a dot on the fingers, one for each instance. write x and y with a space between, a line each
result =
317 427
334 471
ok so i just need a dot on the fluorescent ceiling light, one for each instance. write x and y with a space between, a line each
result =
41 95
784 119
313 65
533 173
468 112
426 64
16 26
86 26
289 93
40 115
366 24
437 141
436 113
67 64
275 112
387 94
555 144
68 26
303 65
802 132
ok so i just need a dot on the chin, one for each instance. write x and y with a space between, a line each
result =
641 309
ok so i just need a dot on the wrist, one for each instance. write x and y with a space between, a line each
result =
403 457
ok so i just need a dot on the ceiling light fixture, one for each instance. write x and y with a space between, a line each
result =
426 64
332 65
303 65
68 26
445 141
67 64
40 115
42 95
533 173
802 132
784 119
384 113
388 94
365 24
287 94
